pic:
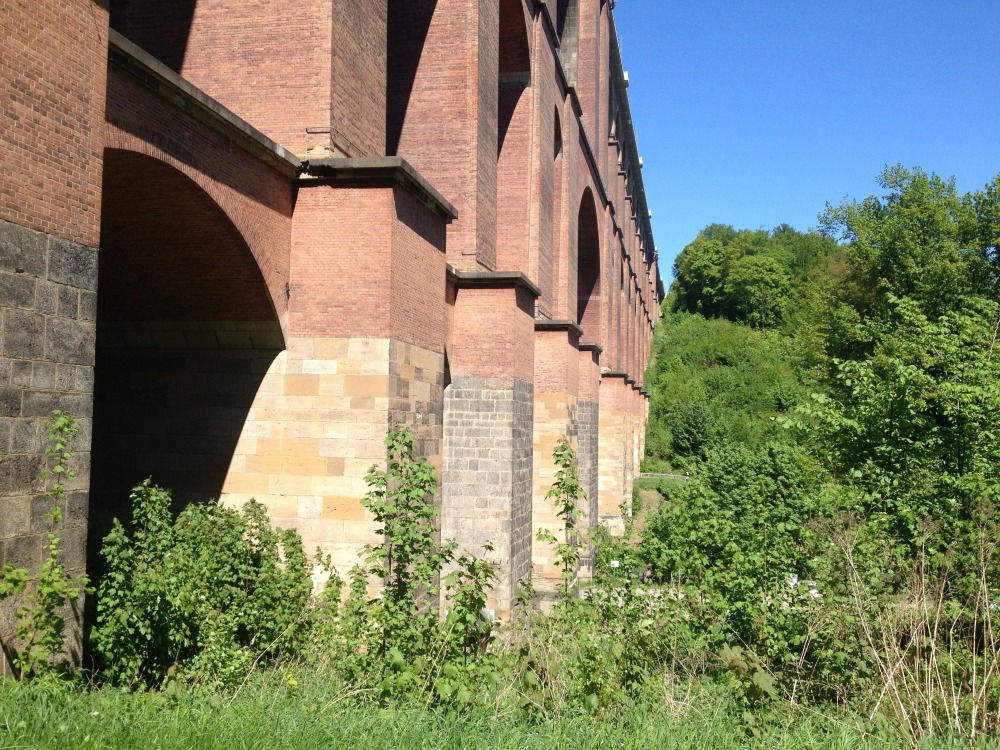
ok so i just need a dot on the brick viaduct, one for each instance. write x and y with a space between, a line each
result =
239 241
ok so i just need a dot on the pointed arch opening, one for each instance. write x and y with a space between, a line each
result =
556 218
588 286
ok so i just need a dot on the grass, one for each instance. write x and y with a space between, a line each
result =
270 716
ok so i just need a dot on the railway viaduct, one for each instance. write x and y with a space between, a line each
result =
239 240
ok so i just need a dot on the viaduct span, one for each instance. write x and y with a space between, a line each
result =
239 241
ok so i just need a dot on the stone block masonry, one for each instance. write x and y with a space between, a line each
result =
47 328
487 476
318 423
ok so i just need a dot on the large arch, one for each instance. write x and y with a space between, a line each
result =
186 331
588 270
513 136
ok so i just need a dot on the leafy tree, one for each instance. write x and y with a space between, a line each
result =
921 240
750 276
713 382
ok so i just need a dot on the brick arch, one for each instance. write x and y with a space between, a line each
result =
255 197
588 269
556 259
186 331
169 252
515 33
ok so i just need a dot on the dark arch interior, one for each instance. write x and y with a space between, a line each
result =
568 29
588 287
185 334
160 27
515 64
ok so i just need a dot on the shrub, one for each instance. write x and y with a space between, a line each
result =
204 597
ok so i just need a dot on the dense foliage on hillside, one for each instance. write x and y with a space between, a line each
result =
835 397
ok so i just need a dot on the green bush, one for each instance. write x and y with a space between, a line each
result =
203 597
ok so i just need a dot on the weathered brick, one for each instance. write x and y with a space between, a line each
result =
21 250
68 303
40 508
21 372
19 474
46 297
10 401
17 290
65 377
88 305
15 516
24 437
43 375
23 552
43 403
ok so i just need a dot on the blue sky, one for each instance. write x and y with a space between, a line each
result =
758 113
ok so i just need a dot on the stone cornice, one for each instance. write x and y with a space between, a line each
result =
392 168
542 324
492 280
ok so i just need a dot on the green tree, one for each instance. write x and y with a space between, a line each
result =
749 276
922 240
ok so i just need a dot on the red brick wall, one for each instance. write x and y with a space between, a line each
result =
359 76
508 351
341 248
268 61
444 105
367 261
52 73
417 296
557 362
514 177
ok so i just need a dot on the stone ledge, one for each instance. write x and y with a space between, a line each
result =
542 324
154 75
393 168
492 280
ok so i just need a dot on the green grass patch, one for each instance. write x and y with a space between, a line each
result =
273 716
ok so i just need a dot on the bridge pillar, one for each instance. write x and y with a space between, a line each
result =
52 70
556 416
488 408
588 423
365 352
615 451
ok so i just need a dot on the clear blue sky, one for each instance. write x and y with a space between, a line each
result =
754 113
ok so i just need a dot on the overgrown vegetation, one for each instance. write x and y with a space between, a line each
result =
41 616
841 529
